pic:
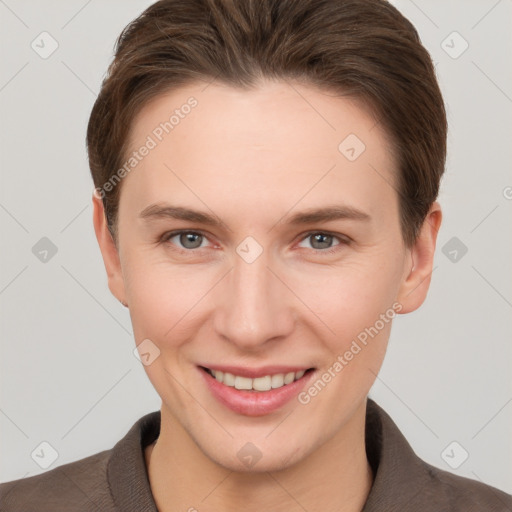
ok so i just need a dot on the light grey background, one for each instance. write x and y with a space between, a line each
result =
68 373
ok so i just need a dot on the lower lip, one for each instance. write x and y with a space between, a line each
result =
254 403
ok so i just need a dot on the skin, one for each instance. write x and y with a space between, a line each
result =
253 159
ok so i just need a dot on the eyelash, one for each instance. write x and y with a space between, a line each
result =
342 240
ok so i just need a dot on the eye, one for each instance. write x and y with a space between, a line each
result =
188 240
322 242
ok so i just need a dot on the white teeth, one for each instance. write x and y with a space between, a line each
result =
277 380
228 379
289 377
265 383
243 382
262 383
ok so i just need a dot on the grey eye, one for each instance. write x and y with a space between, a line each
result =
191 240
320 241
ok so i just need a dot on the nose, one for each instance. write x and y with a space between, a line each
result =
253 305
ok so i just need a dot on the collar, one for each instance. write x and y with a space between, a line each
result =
399 474
397 470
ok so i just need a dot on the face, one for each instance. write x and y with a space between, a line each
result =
289 273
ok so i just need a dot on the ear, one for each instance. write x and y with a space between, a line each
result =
415 285
108 250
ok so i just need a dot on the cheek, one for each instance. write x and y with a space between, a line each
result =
346 298
163 297
351 296
358 308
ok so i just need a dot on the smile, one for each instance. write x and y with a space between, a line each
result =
264 383
259 391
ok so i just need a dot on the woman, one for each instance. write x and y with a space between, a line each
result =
266 178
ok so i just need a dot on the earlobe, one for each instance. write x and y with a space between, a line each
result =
416 283
108 250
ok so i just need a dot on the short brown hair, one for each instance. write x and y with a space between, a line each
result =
365 49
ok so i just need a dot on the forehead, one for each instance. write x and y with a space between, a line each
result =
278 141
255 116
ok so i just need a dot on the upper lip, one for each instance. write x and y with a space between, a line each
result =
253 373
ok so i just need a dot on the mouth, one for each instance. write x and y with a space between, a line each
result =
258 384
266 392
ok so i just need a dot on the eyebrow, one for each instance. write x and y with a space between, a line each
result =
310 216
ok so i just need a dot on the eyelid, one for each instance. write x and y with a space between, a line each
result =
341 237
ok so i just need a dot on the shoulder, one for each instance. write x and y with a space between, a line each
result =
463 494
82 483
404 481
108 481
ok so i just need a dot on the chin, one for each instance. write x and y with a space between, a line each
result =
272 463
242 456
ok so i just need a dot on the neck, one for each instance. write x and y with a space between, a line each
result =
334 477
